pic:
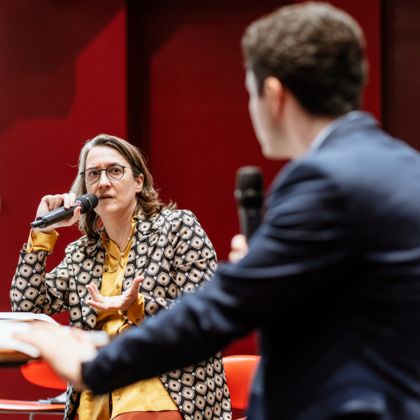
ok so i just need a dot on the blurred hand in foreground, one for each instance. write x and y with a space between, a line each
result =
64 348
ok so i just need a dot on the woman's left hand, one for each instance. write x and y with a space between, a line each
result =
239 248
121 302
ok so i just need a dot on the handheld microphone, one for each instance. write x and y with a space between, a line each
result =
86 202
249 194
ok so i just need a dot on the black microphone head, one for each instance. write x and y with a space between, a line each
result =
249 192
87 202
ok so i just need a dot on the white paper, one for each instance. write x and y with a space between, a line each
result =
12 322
26 316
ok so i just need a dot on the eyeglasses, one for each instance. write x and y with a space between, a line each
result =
114 173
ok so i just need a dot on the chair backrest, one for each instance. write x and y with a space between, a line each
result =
240 371
40 373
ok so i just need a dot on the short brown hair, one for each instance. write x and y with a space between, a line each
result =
148 201
315 50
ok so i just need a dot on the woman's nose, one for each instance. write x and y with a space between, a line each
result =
103 178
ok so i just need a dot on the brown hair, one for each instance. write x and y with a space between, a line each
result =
315 50
148 201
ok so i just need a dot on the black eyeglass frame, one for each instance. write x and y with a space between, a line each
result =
83 173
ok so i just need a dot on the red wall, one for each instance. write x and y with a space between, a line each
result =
401 61
63 80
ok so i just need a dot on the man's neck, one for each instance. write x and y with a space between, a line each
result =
303 131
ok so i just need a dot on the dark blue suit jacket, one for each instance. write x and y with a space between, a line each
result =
331 281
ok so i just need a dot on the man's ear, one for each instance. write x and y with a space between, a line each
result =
273 93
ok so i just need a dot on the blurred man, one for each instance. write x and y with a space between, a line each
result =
332 277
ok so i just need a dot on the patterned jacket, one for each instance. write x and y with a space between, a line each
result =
174 255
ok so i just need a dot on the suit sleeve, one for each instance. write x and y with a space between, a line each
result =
301 246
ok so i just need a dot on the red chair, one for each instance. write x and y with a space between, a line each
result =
240 371
38 373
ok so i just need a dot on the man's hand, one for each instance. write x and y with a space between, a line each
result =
121 302
239 248
64 348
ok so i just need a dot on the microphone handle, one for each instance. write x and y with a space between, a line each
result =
250 219
52 217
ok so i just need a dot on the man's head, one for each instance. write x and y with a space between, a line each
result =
315 50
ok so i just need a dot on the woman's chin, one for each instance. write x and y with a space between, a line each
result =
106 209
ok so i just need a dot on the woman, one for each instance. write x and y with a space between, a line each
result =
135 258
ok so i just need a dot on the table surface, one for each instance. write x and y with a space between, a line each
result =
13 358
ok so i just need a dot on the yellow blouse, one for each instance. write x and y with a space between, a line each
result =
146 395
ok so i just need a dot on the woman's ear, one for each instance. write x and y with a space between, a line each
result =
139 183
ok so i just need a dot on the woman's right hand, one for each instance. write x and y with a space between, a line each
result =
51 202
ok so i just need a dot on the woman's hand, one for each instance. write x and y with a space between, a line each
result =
51 202
239 248
121 302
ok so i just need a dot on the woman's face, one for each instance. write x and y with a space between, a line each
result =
117 197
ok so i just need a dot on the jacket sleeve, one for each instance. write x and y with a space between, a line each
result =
194 261
35 290
300 247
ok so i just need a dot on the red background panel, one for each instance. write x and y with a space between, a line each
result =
63 80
